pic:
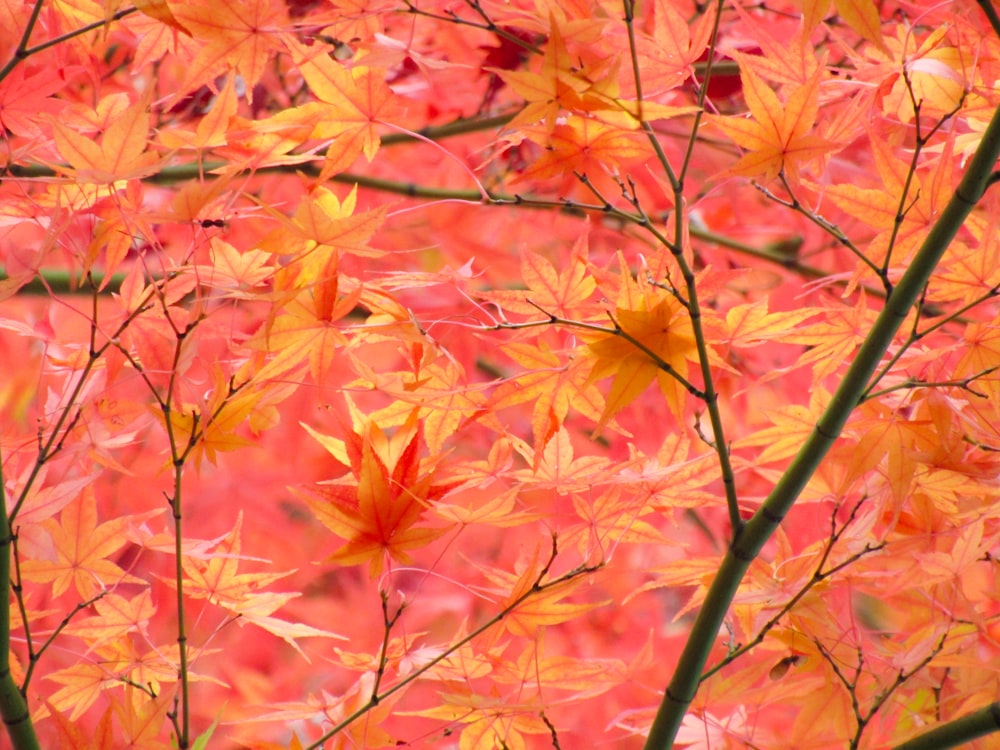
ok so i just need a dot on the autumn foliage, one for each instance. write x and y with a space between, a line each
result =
499 374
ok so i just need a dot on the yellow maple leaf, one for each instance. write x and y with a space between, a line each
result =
776 137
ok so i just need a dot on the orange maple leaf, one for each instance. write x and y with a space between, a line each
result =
160 10
584 145
781 61
558 86
354 101
608 520
82 684
141 717
377 507
564 293
791 426
438 387
211 129
554 465
216 577
535 602
667 54
776 137
122 152
305 331
656 320
81 548
900 232
834 338
552 385
323 227
860 15
241 35
116 617
489 721
75 737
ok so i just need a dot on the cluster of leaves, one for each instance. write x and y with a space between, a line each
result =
389 372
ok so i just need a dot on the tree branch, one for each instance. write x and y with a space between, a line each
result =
683 687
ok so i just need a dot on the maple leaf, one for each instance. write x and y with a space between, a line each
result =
305 331
554 466
23 97
776 137
235 274
122 152
211 130
860 15
118 661
610 518
966 270
655 319
267 141
667 54
791 426
559 85
911 67
673 478
323 227
834 338
239 34
141 717
495 508
83 684
75 737
533 602
982 354
116 617
782 60
45 499
437 387
160 10
354 101
217 579
899 231
563 293
585 677
201 431
81 548
552 385
366 732
751 324
378 506
491 721
584 145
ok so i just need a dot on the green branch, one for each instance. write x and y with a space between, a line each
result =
958 731
56 281
682 688
13 707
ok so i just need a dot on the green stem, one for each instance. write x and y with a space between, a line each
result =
13 707
745 548
183 720
957 732
55 281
